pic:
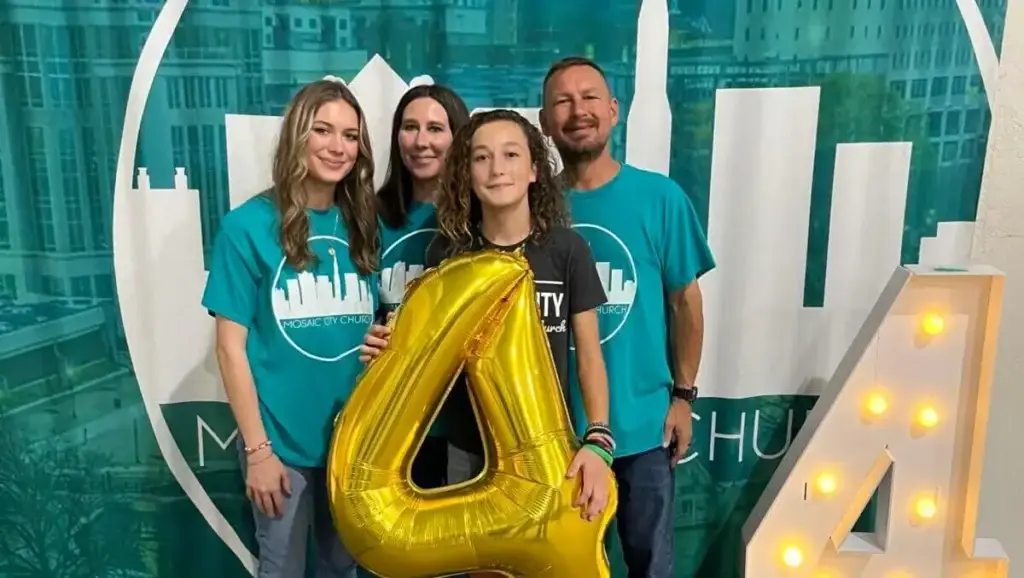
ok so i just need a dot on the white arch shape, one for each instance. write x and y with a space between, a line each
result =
157 41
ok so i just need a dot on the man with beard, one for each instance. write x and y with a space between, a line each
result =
650 251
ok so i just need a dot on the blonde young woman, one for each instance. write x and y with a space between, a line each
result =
293 288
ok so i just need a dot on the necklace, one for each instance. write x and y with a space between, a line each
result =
334 234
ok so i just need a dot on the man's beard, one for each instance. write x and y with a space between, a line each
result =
576 155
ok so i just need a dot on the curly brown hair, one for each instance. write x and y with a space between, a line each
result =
458 208
354 195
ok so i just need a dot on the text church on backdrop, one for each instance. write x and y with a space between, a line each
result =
823 142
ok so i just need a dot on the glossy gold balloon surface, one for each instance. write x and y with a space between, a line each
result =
478 313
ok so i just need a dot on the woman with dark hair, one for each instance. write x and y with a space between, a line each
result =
424 123
499 192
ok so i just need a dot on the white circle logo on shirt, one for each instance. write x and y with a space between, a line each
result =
617 270
399 268
311 306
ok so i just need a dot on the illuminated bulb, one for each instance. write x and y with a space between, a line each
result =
826 483
926 508
793 557
877 404
928 417
933 324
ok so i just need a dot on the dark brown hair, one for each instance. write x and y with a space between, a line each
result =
458 208
395 194
353 194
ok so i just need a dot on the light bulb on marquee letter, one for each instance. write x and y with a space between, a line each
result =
928 417
932 324
792 557
926 490
825 484
877 404
925 508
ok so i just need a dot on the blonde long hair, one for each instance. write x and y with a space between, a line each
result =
354 194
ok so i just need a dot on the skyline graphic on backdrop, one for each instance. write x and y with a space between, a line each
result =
887 76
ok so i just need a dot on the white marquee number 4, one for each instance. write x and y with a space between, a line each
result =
905 414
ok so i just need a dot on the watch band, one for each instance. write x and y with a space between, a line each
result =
687 394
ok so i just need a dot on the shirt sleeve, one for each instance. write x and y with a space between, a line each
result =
233 282
682 247
585 289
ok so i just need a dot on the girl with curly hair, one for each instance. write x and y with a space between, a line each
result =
499 191
292 287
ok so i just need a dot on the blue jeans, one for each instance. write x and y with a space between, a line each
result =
644 519
283 541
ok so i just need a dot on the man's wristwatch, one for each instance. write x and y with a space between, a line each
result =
687 394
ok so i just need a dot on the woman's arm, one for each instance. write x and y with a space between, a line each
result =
590 366
238 382
231 297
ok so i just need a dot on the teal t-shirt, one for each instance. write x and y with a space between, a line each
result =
404 259
305 328
648 243
404 253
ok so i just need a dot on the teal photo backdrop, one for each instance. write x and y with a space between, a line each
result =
87 487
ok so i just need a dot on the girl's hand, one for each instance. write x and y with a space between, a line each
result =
375 340
267 484
593 496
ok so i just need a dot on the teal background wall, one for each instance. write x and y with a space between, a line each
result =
84 489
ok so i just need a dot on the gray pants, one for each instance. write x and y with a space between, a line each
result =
283 541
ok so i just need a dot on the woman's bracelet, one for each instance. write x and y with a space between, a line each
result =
251 450
259 461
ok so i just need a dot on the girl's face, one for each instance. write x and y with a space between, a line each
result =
424 138
501 165
333 145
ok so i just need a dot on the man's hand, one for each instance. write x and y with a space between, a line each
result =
679 426
375 340
593 497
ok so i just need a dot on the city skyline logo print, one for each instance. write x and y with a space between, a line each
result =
402 262
309 303
617 271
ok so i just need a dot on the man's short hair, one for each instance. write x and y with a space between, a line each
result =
570 62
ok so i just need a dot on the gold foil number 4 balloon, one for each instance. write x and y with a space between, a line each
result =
476 313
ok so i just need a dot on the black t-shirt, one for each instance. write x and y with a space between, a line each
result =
567 283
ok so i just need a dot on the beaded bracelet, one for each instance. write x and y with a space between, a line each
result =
600 433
